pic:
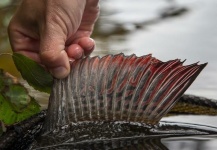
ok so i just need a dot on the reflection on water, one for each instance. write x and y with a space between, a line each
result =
190 143
188 32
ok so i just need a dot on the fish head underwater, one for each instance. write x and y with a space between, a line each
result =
115 102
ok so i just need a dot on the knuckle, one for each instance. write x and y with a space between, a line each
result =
48 57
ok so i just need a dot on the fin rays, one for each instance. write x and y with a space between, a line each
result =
119 87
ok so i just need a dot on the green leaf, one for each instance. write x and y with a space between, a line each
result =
33 73
15 102
10 116
18 97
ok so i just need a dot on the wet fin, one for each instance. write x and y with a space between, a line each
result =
118 87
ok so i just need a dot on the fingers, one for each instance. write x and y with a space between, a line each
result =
53 55
87 44
84 47
57 63
22 42
75 51
43 33
62 19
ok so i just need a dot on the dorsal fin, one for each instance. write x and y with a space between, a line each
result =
128 88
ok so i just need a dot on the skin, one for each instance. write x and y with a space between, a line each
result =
54 32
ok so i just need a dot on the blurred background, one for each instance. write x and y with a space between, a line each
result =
168 29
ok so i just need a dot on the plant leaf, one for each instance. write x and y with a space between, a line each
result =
15 102
9 116
33 73
18 97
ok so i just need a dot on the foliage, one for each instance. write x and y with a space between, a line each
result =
33 73
15 103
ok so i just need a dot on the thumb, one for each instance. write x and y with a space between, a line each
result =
53 55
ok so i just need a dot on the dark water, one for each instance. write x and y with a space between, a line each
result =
138 27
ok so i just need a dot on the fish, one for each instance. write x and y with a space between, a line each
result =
116 100
22 136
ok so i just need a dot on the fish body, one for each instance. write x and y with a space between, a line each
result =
22 135
97 135
116 100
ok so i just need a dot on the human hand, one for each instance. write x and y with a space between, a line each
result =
53 32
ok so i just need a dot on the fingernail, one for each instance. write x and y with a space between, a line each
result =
59 72
71 60
93 44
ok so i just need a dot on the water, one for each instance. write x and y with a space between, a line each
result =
136 27
191 36
190 143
